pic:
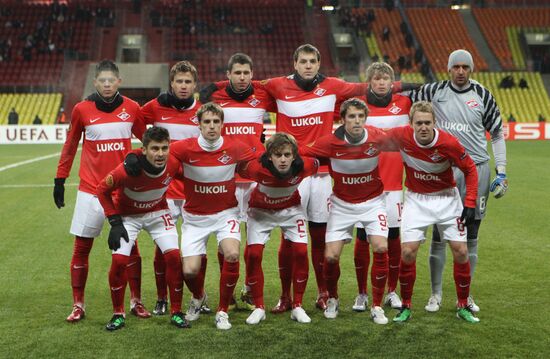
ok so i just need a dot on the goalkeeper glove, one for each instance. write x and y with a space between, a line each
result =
499 186
468 216
132 165
59 192
117 231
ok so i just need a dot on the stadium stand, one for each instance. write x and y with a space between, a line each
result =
441 31
498 25
46 106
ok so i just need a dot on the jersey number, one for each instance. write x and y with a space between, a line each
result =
460 226
168 221
383 221
235 228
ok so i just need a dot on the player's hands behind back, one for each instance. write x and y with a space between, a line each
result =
468 216
117 231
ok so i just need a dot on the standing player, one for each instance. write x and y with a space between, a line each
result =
432 198
209 164
174 110
244 108
141 204
386 110
107 119
276 202
467 110
357 197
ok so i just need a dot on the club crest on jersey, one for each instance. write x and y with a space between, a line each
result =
123 115
320 91
294 180
395 109
167 181
254 102
195 120
371 151
435 156
225 158
472 103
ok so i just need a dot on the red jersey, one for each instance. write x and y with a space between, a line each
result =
181 124
353 167
428 167
107 140
209 173
244 120
274 193
122 194
396 114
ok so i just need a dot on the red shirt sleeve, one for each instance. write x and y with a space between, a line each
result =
71 144
249 170
320 148
138 129
350 89
105 188
148 113
311 166
462 160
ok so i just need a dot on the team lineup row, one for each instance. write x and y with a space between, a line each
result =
367 181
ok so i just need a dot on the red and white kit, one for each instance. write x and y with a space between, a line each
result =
209 185
107 140
181 124
243 121
141 201
276 202
432 196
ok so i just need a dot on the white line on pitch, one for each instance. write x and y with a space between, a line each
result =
36 159
34 185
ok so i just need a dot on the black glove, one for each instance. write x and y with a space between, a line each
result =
117 231
132 165
468 216
59 192
206 93
262 136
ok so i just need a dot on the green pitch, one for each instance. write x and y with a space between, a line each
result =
511 286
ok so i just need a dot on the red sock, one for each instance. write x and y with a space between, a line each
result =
117 281
317 234
174 277
79 267
254 273
301 273
378 277
461 273
331 275
285 267
202 273
361 257
221 259
407 276
160 273
228 281
394 254
133 271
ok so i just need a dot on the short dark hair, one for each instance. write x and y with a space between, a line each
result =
210 107
239 58
157 134
184 66
307 49
278 141
106 65
355 102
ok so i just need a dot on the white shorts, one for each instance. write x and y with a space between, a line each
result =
196 229
242 192
344 216
315 192
394 207
88 216
176 208
420 211
261 222
158 224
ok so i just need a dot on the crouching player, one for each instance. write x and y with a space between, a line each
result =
432 198
141 204
357 197
276 202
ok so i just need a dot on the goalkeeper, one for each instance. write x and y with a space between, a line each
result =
467 110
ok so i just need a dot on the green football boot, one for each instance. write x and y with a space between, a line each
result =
116 322
178 319
403 315
466 314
